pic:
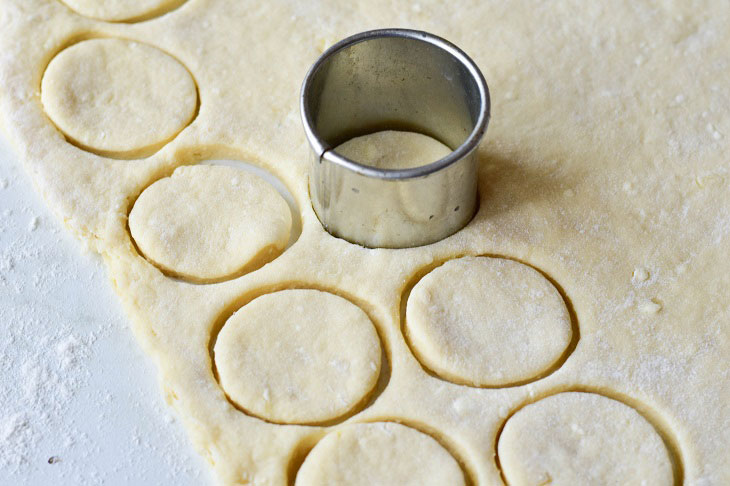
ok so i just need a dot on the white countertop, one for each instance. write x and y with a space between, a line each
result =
74 385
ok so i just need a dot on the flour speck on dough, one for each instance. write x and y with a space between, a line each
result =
652 306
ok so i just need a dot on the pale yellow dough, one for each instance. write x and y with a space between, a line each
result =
206 223
582 438
382 454
605 167
487 321
298 356
392 149
118 97
121 10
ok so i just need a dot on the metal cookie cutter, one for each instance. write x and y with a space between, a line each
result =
394 79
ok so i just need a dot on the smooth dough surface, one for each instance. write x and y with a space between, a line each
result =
121 10
392 149
605 167
380 453
117 96
487 321
298 356
582 438
208 222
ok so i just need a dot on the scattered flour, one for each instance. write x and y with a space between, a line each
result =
42 349
66 416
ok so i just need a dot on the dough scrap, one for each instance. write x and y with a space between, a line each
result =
582 438
118 97
121 10
206 223
487 321
298 356
380 453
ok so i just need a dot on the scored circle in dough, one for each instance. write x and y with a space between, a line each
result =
392 149
582 438
298 356
118 97
380 453
209 222
487 321
120 10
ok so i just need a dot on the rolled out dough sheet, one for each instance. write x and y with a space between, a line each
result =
605 169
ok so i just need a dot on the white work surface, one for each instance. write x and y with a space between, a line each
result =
74 385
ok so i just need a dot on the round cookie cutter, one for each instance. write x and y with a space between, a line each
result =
394 79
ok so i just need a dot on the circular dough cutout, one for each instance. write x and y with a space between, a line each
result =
393 149
298 356
485 321
122 10
118 98
206 223
582 438
382 453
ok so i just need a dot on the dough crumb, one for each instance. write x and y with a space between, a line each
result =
576 428
3 183
640 275
545 479
323 45
711 180
650 307
713 131
33 224
459 405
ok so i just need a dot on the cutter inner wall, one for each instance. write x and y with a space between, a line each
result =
393 83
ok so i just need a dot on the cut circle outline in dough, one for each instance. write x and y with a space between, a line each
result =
157 9
48 104
302 473
252 261
658 423
556 365
383 372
